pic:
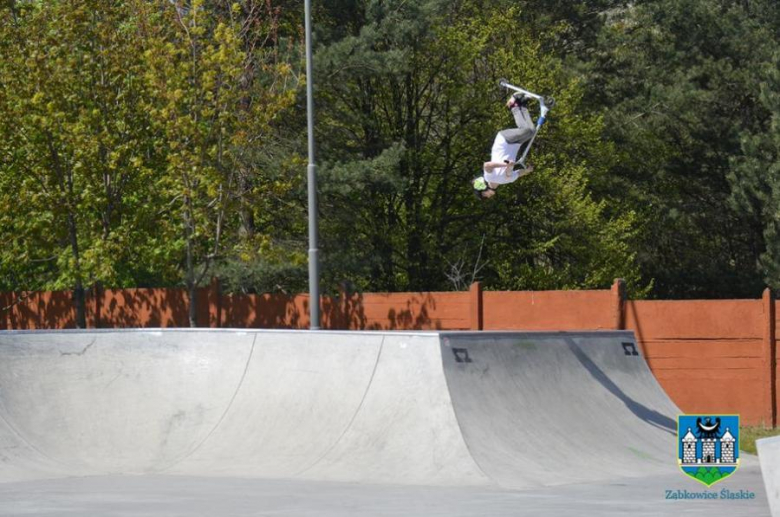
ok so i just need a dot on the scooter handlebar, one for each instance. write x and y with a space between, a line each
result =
522 90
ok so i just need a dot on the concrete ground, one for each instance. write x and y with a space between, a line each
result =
171 496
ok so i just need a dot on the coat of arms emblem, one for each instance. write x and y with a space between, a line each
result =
708 446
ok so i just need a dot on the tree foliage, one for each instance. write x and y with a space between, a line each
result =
679 82
160 143
411 105
755 177
77 151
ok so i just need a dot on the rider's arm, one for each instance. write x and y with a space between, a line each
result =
489 166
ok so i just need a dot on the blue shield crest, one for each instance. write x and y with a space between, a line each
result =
708 446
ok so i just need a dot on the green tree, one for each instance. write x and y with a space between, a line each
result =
267 249
755 177
215 99
679 83
76 153
194 66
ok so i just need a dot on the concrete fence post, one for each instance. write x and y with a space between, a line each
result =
14 322
215 303
475 294
97 295
343 321
618 304
5 320
770 358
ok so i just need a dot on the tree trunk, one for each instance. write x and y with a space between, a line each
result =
189 230
193 305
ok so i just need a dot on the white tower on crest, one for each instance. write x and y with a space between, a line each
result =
689 447
727 443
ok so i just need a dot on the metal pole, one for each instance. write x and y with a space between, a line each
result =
314 268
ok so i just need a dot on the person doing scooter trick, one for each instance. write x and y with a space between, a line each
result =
501 169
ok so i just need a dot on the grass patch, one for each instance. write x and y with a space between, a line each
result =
749 435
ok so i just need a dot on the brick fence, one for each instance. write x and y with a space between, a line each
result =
711 356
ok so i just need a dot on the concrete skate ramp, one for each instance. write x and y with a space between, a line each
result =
440 408
769 456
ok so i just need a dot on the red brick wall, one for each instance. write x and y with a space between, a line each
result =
403 311
37 310
548 310
265 311
125 308
708 355
370 311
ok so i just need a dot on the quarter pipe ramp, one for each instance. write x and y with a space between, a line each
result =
511 409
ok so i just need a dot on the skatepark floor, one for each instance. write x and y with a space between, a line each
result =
168 496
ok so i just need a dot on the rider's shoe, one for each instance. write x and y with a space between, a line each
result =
517 100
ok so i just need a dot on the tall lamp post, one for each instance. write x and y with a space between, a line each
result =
314 267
